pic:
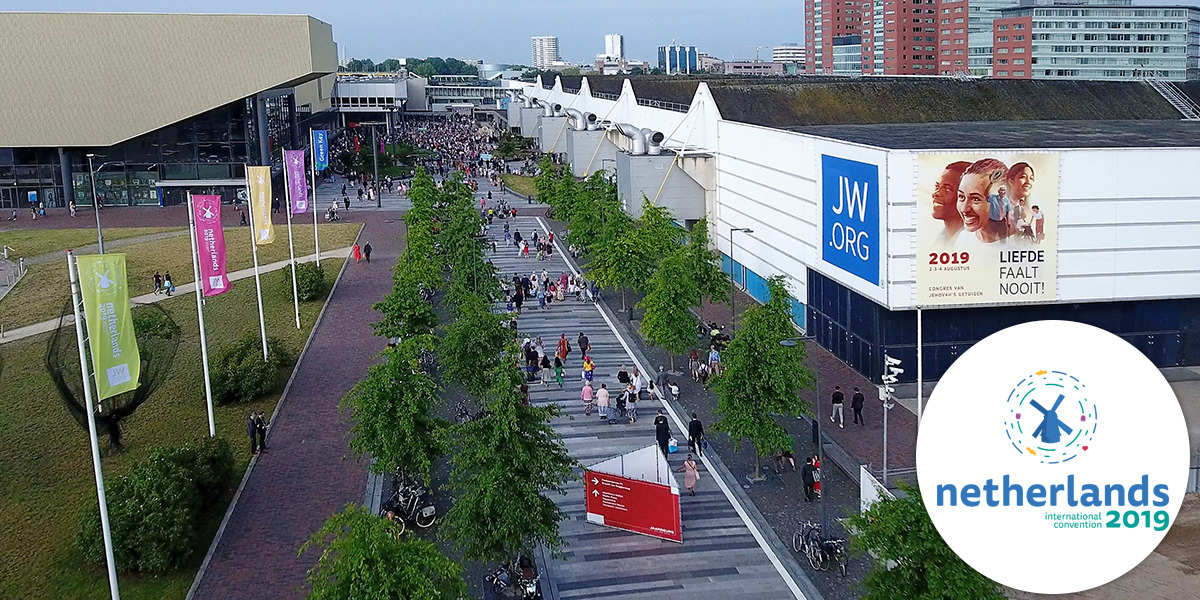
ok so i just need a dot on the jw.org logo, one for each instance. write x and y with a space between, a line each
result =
1050 417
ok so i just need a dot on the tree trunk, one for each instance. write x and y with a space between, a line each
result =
623 299
672 354
757 466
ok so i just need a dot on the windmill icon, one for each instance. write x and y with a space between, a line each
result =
1048 431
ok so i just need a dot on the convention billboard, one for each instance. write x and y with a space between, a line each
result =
850 208
986 228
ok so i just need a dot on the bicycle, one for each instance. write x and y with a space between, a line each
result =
818 549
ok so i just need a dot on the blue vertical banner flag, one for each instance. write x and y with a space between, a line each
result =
850 211
321 149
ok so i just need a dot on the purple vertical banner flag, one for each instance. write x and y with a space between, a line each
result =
293 167
210 243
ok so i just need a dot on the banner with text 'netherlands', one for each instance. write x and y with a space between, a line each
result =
210 244
111 338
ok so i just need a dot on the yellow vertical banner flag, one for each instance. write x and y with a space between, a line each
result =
259 179
111 338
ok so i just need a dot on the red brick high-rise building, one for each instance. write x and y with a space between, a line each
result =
897 37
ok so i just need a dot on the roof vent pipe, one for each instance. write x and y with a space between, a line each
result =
528 100
637 146
548 109
577 120
558 110
654 141
590 121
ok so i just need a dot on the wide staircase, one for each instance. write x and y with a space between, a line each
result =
1171 93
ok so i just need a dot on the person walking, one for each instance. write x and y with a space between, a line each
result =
260 423
816 460
168 285
357 253
691 474
662 384
631 402
696 435
71 206
367 251
662 434
602 401
563 348
589 368
158 283
545 368
807 475
252 432
856 404
558 371
839 399
587 396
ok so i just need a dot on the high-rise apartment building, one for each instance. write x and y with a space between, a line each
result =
893 37
979 34
825 20
614 45
1096 40
788 53
545 51
678 58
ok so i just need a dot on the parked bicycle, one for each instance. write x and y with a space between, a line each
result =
412 502
463 414
820 551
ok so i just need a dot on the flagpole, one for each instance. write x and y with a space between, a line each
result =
262 323
212 425
312 149
287 189
73 268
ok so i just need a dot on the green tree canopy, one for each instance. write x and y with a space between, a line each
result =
705 265
667 322
474 345
762 378
391 409
362 557
912 559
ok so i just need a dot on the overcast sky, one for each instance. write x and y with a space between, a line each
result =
499 30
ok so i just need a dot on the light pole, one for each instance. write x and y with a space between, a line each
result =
95 202
790 342
375 154
732 281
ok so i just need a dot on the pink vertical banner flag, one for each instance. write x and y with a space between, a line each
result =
293 167
210 242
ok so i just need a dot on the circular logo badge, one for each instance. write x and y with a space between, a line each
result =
1052 457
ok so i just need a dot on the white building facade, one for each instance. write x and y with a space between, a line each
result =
545 51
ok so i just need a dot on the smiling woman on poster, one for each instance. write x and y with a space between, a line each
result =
982 200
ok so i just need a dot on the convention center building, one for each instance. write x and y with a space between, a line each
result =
906 210
163 102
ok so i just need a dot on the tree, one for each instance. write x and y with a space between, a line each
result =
667 322
704 264
657 231
474 344
502 467
762 378
912 559
636 71
546 180
362 557
620 264
391 409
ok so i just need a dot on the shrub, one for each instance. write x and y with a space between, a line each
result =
151 512
239 373
154 323
310 281
209 463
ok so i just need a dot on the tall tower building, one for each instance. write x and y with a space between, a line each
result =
545 51
614 45
891 37
825 20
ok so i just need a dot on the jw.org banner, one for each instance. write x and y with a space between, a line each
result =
210 244
293 168
320 149
111 338
259 179
987 228
850 208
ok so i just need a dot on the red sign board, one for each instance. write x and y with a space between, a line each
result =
639 506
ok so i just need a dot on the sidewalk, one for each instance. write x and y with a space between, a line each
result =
306 475
20 333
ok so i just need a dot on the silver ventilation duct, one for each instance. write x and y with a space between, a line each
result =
654 141
547 109
558 111
637 146
577 122
590 122
528 100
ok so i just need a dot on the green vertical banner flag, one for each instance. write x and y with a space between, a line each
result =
111 338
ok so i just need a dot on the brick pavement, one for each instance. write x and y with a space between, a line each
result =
306 474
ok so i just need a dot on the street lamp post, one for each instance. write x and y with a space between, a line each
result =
375 154
732 284
95 203
817 430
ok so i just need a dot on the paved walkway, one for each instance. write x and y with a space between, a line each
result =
19 333
724 554
306 474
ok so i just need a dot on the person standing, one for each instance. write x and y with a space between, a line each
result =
839 399
696 435
260 423
663 384
631 400
72 207
545 369
357 253
586 395
252 432
807 476
602 401
367 251
856 404
662 433
691 474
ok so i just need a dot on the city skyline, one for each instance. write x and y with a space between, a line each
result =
363 30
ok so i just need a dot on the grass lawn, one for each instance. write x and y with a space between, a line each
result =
45 291
28 243
520 184
45 460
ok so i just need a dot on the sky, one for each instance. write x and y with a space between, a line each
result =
498 31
